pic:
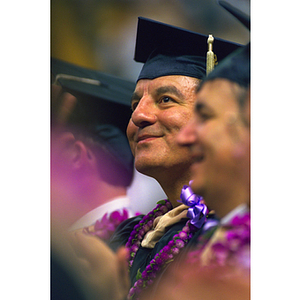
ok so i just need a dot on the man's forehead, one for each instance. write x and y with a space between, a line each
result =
178 81
175 84
218 93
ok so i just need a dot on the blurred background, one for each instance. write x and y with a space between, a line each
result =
100 34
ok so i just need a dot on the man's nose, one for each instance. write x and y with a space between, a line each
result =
186 135
145 113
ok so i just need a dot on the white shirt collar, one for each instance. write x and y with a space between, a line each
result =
118 203
239 210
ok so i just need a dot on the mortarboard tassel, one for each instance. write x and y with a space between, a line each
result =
210 56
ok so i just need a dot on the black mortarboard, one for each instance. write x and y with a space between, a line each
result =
235 68
169 50
239 9
102 109
106 98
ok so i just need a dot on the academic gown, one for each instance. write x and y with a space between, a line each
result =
145 255
63 284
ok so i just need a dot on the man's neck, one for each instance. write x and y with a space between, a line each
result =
173 189
92 193
224 203
104 193
171 180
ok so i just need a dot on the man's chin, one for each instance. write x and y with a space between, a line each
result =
144 166
197 187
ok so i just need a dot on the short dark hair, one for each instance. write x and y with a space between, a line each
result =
110 169
241 94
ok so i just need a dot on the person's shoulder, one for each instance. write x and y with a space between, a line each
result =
122 233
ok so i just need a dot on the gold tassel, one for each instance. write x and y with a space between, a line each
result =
210 56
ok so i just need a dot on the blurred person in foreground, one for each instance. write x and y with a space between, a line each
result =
91 167
91 157
218 138
162 103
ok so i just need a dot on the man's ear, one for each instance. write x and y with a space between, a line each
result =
82 156
74 152
70 150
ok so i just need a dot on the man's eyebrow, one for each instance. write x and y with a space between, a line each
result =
199 106
169 89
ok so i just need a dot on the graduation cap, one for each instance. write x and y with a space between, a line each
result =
103 97
102 109
235 68
239 9
169 50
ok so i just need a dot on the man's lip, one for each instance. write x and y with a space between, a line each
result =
197 158
196 163
146 137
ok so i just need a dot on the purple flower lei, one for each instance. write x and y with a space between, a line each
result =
236 246
234 249
167 254
106 226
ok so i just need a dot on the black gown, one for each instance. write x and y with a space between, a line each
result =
145 255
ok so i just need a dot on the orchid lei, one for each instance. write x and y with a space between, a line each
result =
234 248
106 226
197 212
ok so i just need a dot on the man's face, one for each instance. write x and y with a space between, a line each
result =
218 140
161 107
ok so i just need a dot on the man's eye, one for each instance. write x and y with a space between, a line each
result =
134 105
204 116
202 113
166 99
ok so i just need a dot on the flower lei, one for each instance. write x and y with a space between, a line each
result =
234 248
106 226
197 212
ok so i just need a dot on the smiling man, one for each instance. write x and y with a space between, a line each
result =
174 65
218 136
162 103
160 108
